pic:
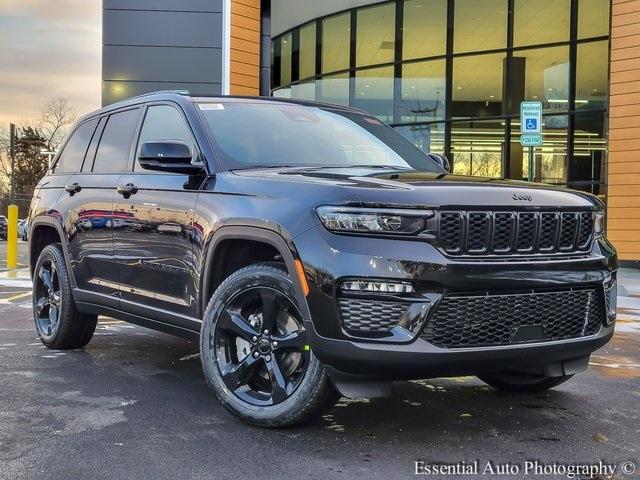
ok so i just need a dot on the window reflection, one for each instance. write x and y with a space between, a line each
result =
375 35
285 59
550 160
304 90
336 33
307 57
334 89
480 25
477 148
546 77
593 18
590 146
428 138
425 28
374 92
477 86
423 91
592 75
536 22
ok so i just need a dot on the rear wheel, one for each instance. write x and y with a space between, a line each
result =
255 354
58 323
520 382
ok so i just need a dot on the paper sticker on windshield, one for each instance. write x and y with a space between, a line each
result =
373 121
211 106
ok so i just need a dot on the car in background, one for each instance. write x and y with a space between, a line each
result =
3 227
23 229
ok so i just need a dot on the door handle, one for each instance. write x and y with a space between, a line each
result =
127 190
72 189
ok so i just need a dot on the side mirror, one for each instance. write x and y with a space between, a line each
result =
441 160
168 156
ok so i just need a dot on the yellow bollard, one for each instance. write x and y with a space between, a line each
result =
12 236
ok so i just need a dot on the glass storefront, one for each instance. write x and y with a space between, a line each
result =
450 75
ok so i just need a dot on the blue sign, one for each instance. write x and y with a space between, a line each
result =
530 117
530 139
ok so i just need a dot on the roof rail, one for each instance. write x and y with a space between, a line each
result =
177 92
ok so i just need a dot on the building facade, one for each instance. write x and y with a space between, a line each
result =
447 74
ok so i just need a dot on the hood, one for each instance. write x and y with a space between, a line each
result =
385 186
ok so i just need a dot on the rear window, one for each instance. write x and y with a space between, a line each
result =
115 144
72 156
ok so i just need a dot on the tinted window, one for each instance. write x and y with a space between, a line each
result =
113 151
93 146
163 122
70 160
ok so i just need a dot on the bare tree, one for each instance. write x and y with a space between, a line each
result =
55 117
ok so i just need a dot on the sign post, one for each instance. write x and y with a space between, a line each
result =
531 130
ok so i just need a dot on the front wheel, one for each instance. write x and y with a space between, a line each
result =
521 382
255 354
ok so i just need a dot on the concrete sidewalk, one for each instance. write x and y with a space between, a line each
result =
628 300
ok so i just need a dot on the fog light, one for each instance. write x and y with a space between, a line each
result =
376 286
611 299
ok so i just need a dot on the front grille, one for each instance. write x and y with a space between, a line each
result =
500 319
373 316
514 233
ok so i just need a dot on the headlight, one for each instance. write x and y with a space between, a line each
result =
373 220
599 223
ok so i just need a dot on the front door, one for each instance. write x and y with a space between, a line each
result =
153 218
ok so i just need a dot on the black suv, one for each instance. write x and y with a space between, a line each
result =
314 252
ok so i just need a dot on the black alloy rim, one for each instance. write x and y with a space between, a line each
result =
260 346
47 300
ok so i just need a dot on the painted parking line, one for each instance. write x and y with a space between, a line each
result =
15 297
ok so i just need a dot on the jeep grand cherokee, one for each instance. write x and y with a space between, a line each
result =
314 252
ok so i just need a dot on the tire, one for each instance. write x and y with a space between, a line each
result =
58 322
263 397
519 382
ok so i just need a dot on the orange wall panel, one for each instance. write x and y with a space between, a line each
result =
245 47
623 197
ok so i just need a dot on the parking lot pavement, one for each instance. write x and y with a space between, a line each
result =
133 404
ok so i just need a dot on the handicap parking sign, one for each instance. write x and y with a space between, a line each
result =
530 117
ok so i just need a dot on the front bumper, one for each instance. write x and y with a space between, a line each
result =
330 258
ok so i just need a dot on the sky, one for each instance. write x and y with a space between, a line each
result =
49 49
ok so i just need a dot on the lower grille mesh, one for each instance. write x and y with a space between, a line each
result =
488 320
359 315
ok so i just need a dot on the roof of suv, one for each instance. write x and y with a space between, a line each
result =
179 96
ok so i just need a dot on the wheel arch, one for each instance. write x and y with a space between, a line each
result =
272 239
43 232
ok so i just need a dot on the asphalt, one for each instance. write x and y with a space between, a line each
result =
133 404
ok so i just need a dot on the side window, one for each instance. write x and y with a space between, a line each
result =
93 146
70 160
163 122
115 144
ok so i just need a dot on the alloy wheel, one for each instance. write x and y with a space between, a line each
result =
47 301
260 346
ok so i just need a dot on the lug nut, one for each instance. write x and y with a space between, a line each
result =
256 354
268 358
255 339
274 344
266 332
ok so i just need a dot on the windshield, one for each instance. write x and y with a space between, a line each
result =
253 135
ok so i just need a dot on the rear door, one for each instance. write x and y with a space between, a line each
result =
89 204
153 228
